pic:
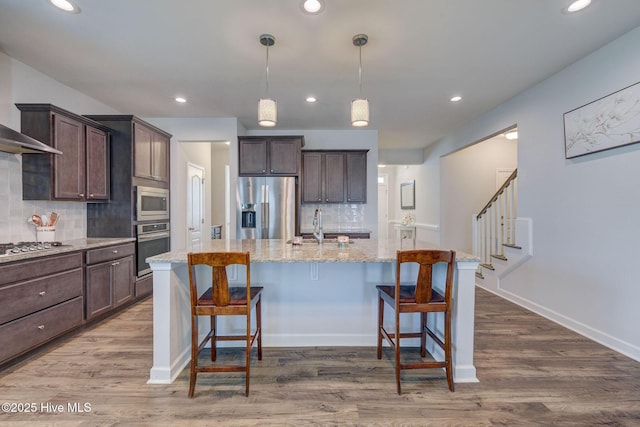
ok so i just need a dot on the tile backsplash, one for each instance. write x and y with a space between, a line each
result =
14 211
338 217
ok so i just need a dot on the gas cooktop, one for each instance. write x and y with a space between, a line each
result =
7 249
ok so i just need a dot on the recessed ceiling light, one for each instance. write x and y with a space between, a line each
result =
66 5
311 99
181 99
578 5
512 134
455 98
312 6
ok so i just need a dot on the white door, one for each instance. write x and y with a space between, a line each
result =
195 206
383 207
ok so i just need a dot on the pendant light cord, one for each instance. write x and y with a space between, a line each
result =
267 71
360 71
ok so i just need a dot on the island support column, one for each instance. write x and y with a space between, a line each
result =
463 324
171 322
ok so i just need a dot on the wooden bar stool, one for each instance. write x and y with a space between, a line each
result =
419 298
221 300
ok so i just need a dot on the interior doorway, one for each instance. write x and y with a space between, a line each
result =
383 206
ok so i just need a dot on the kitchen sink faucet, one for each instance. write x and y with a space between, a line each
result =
317 226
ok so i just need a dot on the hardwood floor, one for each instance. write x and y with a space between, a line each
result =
531 371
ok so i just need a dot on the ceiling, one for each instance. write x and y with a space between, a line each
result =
136 56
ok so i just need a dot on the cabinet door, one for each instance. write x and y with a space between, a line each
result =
283 156
122 277
334 178
160 158
253 157
311 177
356 177
143 140
97 151
99 293
69 167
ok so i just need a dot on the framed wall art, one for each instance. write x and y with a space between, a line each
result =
407 195
606 123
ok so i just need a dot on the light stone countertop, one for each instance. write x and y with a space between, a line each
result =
334 230
277 250
69 246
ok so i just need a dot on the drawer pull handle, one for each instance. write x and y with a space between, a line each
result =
41 327
42 293
115 263
115 251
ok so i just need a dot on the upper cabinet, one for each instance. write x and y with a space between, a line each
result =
269 155
139 156
332 176
151 153
356 185
81 172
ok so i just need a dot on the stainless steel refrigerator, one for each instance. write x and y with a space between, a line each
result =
266 208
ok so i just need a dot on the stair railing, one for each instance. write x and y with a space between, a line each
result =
495 226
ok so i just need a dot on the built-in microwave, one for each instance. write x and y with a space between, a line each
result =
152 204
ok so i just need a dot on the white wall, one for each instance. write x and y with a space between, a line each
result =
585 211
467 182
427 200
219 160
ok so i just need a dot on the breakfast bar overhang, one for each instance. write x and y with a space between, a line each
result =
314 295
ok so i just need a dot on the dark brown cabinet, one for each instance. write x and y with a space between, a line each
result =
42 299
356 177
109 279
334 176
131 156
280 156
151 153
81 172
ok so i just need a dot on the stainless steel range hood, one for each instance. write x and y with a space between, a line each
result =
15 142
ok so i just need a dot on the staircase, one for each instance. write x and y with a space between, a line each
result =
495 230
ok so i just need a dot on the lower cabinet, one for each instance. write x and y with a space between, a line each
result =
44 298
41 299
109 279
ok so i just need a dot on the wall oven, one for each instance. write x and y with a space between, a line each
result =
152 204
152 239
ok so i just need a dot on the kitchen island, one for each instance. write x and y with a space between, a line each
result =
314 295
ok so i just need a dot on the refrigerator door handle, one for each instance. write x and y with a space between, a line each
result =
265 212
265 220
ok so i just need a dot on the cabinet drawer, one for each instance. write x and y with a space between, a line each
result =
110 253
30 331
27 297
26 270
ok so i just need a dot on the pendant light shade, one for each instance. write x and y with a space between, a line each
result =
267 107
359 112
267 112
360 106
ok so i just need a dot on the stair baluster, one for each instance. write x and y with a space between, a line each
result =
495 225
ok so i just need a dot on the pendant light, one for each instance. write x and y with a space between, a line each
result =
360 106
267 107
